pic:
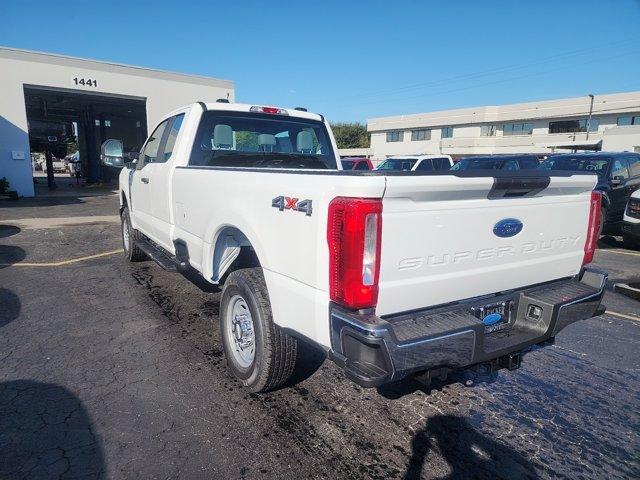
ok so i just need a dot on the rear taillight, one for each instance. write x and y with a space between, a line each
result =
593 229
354 233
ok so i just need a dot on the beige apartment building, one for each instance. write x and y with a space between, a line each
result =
602 122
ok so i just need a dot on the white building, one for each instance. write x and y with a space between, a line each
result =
101 99
535 127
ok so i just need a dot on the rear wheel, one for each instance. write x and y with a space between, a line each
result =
129 238
258 352
603 217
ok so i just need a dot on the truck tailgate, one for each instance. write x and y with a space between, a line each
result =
439 245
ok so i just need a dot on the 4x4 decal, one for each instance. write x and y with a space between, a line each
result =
289 203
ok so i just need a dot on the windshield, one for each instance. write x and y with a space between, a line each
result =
239 139
398 164
478 164
579 163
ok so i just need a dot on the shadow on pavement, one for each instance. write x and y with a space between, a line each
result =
9 306
409 385
8 231
468 453
10 254
45 432
42 202
310 359
194 277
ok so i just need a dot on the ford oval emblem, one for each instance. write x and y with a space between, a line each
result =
492 319
507 227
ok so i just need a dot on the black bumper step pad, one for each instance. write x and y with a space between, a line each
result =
434 324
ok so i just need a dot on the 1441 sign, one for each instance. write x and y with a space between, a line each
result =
84 82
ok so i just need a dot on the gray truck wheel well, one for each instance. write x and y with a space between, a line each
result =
232 251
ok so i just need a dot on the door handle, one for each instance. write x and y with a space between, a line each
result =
144 180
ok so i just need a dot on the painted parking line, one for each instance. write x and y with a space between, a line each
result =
634 318
622 252
62 262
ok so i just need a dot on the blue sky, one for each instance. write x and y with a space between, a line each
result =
353 60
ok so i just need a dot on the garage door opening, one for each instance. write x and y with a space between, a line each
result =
67 128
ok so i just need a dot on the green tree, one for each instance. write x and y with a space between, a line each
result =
351 135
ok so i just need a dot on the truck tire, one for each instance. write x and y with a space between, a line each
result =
130 236
603 218
258 352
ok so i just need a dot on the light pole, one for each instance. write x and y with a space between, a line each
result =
590 113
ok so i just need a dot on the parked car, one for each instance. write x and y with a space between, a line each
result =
631 222
35 162
417 163
356 164
618 177
391 275
59 165
52 135
74 165
498 162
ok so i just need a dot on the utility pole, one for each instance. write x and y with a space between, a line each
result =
590 113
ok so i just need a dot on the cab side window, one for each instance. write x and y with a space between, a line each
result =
619 169
150 152
172 136
634 165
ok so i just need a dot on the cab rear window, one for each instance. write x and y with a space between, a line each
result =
253 140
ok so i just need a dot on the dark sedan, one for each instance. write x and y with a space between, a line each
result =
618 177
498 162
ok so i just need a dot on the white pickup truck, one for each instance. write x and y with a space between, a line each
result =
391 273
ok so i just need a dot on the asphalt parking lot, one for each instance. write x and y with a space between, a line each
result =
115 370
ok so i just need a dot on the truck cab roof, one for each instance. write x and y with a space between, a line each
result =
250 108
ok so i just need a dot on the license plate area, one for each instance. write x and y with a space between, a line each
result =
495 316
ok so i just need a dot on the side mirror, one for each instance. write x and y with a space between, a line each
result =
617 180
111 153
131 158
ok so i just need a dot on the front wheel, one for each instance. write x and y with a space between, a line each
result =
258 352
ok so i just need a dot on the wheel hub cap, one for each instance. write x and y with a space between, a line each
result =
243 331
240 332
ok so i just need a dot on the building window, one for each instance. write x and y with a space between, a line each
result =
635 120
517 129
396 136
420 135
573 126
487 130
447 132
